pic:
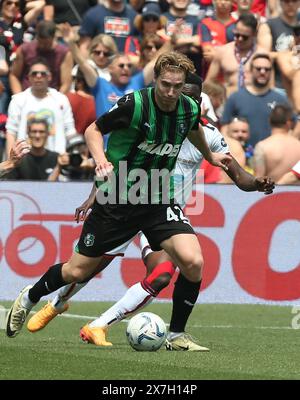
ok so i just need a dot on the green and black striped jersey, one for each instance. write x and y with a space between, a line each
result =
145 138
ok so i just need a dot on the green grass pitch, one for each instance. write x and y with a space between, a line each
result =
247 342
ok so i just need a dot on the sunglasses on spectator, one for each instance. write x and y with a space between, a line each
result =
259 69
152 46
36 131
122 66
242 36
10 3
149 18
36 73
99 52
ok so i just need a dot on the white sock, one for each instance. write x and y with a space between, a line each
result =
26 302
173 335
144 245
134 299
65 293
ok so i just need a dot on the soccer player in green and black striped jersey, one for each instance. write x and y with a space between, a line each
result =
146 132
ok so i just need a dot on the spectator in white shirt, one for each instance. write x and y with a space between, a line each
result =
40 101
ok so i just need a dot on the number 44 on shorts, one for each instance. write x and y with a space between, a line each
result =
176 214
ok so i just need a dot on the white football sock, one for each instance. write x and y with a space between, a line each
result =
134 299
65 293
26 302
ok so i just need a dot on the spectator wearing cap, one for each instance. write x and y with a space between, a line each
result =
40 101
39 162
115 18
75 164
149 21
82 103
45 45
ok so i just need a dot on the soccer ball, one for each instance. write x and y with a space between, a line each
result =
146 332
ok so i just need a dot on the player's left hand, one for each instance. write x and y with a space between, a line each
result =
265 184
220 160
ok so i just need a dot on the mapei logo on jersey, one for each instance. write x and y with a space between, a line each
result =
163 149
89 239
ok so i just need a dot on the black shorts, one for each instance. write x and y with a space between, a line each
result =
108 226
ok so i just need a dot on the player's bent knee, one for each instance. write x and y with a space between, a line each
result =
192 268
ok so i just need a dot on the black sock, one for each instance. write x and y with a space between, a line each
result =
185 295
49 282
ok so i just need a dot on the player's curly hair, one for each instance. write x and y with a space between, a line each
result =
173 61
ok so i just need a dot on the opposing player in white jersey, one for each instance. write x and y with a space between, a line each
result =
160 267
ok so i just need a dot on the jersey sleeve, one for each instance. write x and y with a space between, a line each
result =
296 169
215 140
119 116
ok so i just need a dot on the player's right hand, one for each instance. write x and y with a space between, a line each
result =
81 211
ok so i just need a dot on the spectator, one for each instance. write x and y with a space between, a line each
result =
245 7
102 47
11 36
82 103
149 46
121 70
277 154
292 177
40 162
239 130
260 7
40 101
58 56
137 5
191 35
4 90
217 94
289 66
220 22
276 34
67 11
76 164
233 59
115 18
150 21
255 101
31 10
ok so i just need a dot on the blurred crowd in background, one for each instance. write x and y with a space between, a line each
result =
65 63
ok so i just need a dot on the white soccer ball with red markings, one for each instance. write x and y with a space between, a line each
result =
146 331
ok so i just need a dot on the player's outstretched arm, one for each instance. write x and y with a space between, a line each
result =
248 182
197 138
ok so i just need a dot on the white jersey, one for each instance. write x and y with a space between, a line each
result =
296 169
190 159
